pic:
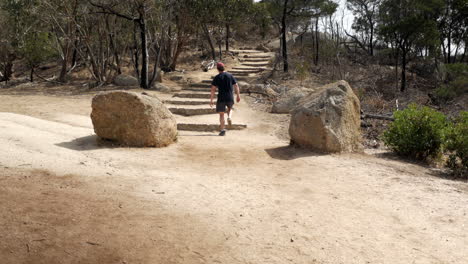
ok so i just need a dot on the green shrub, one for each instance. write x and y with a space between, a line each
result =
455 81
453 89
454 71
457 144
417 132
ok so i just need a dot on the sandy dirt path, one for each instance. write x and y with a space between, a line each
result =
244 198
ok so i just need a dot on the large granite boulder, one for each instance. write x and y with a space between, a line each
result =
328 120
125 80
133 119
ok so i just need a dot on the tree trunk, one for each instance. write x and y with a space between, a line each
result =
403 71
113 47
283 36
464 53
31 75
136 54
371 41
317 48
228 35
456 52
74 56
156 71
220 44
7 68
63 72
179 46
397 58
210 41
144 53
449 48
444 51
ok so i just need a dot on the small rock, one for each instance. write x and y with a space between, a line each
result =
125 80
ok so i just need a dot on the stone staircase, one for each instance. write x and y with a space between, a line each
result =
192 103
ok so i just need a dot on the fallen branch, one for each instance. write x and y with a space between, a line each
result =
380 117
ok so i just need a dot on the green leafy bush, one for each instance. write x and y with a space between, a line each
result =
457 144
417 132
454 71
455 82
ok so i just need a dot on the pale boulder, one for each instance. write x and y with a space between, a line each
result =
125 80
328 120
161 88
133 119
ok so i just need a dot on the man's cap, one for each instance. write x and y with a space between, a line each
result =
219 65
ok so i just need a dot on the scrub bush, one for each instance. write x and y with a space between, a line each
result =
417 132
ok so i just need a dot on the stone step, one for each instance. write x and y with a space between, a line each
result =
198 89
251 64
192 111
266 60
208 127
241 78
199 85
193 95
207 81
244 74
247 56
248 51
245 71
249 68
177 102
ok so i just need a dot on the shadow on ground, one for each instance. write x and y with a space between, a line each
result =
53 218
91 142
291 152
443 173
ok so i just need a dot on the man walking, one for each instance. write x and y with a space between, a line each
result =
224 82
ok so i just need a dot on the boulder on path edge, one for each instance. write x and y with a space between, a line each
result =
125 80
328 120
133 119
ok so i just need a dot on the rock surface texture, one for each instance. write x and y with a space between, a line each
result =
328 120
288 100
133 119
125 80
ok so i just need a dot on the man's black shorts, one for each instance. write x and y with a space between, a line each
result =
221 106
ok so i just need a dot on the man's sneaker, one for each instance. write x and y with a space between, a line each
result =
229 121
222 133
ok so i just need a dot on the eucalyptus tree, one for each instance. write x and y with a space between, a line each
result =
365 23
407 23
283 11
453 28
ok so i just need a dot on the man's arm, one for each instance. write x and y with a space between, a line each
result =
213 91
237 90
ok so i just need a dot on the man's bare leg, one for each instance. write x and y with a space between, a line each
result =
221 121
229 116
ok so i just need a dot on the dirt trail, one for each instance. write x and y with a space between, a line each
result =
244 198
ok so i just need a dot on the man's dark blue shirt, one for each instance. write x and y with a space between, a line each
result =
224 81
